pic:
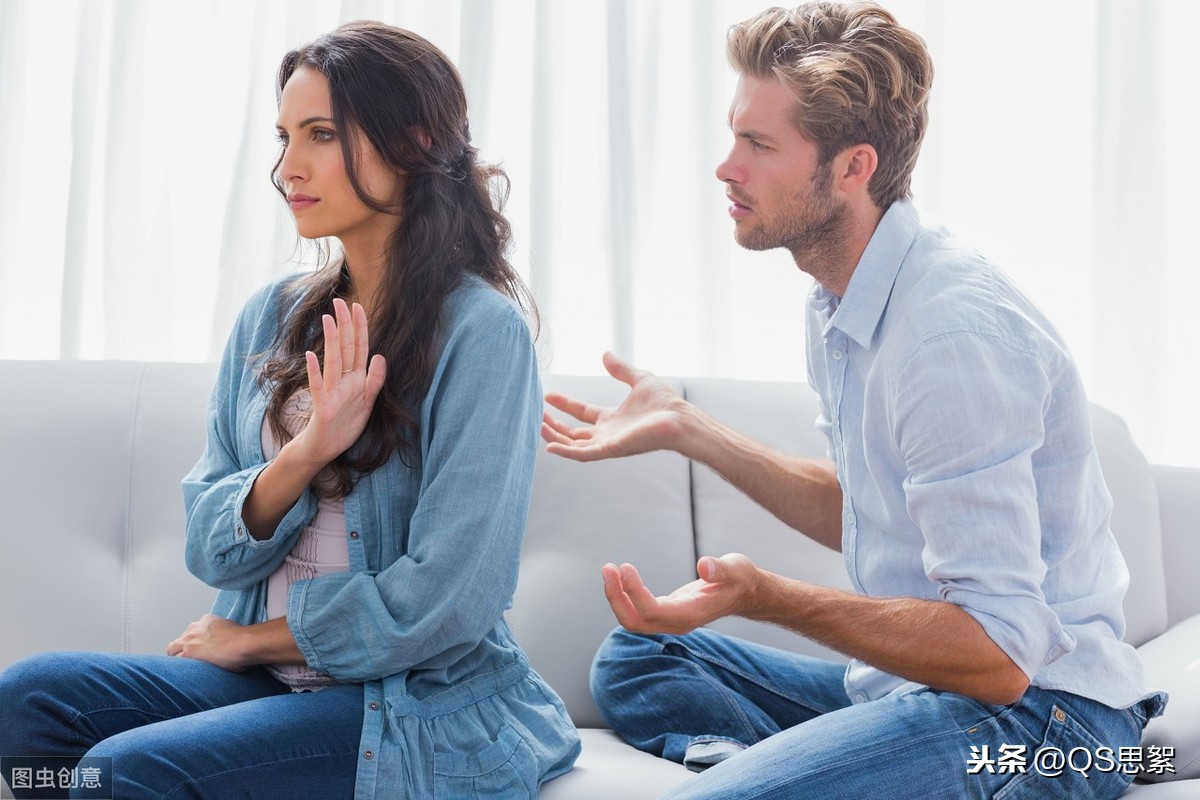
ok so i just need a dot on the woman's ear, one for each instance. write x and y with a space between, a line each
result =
421 136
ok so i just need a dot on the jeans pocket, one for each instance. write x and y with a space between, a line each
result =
506 767
1069 764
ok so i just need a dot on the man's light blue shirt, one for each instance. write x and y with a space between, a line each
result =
963 444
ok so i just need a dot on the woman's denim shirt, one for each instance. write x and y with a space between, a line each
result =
434 552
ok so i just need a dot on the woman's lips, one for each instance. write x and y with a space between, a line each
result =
299 202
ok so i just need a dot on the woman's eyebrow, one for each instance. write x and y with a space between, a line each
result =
307 122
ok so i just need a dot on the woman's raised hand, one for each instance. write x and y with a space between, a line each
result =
648 419
344 392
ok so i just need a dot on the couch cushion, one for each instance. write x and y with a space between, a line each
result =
780 415
608 768
634 509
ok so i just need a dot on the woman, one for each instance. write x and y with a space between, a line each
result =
362 516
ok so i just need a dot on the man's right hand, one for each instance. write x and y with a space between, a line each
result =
650 418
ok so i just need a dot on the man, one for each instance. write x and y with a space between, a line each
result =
962 484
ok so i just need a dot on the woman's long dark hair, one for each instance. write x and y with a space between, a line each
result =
405 97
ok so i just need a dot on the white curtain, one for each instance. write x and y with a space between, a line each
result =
136 213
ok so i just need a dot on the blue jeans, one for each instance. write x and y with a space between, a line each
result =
806 739
177 727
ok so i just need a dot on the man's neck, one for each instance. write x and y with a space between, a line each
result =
832 263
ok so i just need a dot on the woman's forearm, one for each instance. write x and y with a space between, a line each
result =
276 489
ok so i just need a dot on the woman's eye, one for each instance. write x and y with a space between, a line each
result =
281 137
322 135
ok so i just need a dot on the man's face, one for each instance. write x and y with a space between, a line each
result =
780 195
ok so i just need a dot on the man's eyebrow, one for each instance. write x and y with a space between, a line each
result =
757 136
305 123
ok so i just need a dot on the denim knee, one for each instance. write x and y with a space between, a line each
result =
32 713
155 774
612 664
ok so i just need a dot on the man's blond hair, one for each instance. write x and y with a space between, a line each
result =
858 77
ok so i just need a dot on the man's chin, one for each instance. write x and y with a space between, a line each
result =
754 239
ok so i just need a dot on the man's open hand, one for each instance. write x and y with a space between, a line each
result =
727 587
648 419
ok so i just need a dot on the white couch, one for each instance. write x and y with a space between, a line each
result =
92 556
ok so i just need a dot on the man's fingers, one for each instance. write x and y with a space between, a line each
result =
622 608
565 431
643 599
710 569
551 435
577 452
622 370
585 412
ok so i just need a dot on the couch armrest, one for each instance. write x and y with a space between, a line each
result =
1179 513
1173 665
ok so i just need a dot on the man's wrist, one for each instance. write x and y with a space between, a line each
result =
697 433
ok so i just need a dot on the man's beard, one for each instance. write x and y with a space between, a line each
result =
812 224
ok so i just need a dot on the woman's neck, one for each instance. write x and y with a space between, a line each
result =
366 271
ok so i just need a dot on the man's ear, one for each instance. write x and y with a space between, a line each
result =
853 168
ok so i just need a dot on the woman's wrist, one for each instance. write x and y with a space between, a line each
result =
297 456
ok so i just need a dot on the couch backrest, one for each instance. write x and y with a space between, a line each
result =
582 516
93 453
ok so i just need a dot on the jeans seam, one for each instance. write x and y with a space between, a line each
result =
730 698
79 714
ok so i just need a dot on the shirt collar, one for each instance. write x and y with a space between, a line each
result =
858 313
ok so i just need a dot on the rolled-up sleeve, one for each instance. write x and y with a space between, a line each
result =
437 601
968 411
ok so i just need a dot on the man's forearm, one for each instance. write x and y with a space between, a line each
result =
802 492
931 642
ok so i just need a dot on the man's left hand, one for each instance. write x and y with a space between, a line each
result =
727 586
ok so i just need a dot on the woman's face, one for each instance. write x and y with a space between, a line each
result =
314 173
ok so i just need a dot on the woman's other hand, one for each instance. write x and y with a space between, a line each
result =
228 645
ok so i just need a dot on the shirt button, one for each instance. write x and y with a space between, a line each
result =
368 755
859 697
851 518
353 534
837 355
373 706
